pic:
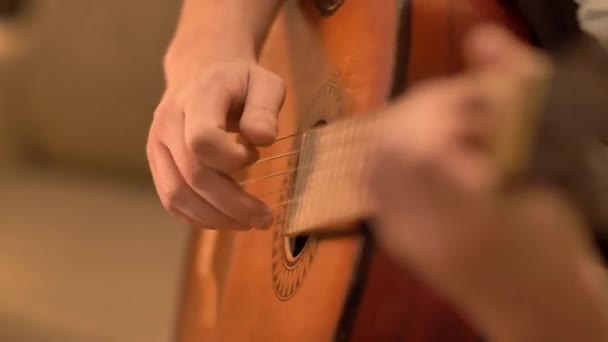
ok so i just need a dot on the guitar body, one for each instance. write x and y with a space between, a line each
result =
337 58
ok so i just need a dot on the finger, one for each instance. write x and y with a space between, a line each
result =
179 199
491 46
452 170
432 112
216 188
425 207
265 97
513 77
467 154
459 182
205 116
487 44
223 193
187 220
447 138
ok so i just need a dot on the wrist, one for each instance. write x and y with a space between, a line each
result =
217 31
189 54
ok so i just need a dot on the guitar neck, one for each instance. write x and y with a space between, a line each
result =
548 134
329 189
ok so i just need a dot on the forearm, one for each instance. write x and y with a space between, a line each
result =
580 313
219 29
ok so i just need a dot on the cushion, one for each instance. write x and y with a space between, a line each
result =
89 80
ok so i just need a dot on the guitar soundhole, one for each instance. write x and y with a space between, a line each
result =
292 257
296 245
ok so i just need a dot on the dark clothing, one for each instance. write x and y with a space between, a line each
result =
553 22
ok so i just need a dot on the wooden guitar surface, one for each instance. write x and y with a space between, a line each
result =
260 286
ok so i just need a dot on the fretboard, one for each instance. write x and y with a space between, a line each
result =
330 183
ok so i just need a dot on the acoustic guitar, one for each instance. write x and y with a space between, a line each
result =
317 275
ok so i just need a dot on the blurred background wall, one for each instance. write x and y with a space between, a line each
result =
86 252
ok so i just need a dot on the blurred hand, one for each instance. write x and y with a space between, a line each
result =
206 128
509 260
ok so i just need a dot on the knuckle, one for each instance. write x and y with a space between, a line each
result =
227 75
268 78
186 220
166 107
195 175
161 110
260 112
275 83
150 150
171 198
152 147
204 142
214 75
224 82
162 119
276 80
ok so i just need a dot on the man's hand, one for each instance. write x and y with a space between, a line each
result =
519 264
207 131
219 106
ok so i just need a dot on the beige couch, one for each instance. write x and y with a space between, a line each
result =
86 251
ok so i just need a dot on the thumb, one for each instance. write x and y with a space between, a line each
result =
265 97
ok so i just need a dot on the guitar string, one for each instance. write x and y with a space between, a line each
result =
330 130
283 203
298 197
284 173
249 181
331 148
295 135
277 156
273 192
270 176
279 174
272 205
275 205
284 154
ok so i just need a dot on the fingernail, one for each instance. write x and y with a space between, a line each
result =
264 220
